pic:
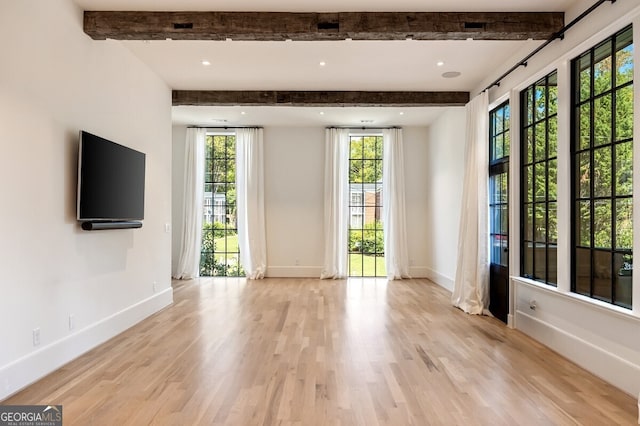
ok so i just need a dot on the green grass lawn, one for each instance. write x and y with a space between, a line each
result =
373 266
231 247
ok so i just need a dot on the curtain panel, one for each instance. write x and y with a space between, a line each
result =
336 204
189 259
471 285
396 253
250 199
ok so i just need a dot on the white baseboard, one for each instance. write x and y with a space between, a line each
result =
293 271
511 321
440 279
419 271
604 364
34 366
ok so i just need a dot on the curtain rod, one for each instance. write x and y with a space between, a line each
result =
363 128
225 127
558 35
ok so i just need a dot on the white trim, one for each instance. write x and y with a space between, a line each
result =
514 197
600 362
511 321
593 303
34 366
419 272
564 178
293 271
496 103
440 279
314 272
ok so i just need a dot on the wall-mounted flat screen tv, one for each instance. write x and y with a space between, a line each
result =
110 180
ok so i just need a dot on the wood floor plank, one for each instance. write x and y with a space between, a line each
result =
313 352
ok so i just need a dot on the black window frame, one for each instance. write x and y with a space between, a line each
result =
499 154
378 228
618 258
541 240
211 264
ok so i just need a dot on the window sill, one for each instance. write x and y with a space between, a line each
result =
586 301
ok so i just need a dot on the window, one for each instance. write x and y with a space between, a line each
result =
602 168
366 240
539 159
499 142
220 255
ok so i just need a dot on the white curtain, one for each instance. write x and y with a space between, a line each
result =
189 259
336 204
250 198
471 286
393 206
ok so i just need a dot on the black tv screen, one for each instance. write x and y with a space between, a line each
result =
110 180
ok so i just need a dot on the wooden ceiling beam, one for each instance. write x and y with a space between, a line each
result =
317 98
265 26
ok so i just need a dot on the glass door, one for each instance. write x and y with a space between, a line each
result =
499 142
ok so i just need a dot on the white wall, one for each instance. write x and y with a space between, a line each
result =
294 198
294 185
54 81
598 336
417 144
445 174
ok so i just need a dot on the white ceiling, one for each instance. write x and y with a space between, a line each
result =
350 65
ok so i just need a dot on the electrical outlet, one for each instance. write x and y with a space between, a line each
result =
155 286
72 322
167 227
36 337
297 262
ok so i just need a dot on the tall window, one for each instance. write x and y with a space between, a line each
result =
366 241
602 151
499 143
220 255
539 124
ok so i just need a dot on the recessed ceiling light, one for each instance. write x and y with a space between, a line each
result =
401 112
242 113
440 63
205 63
451 74
321 112
323 63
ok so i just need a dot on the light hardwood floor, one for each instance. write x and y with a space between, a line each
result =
312 352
